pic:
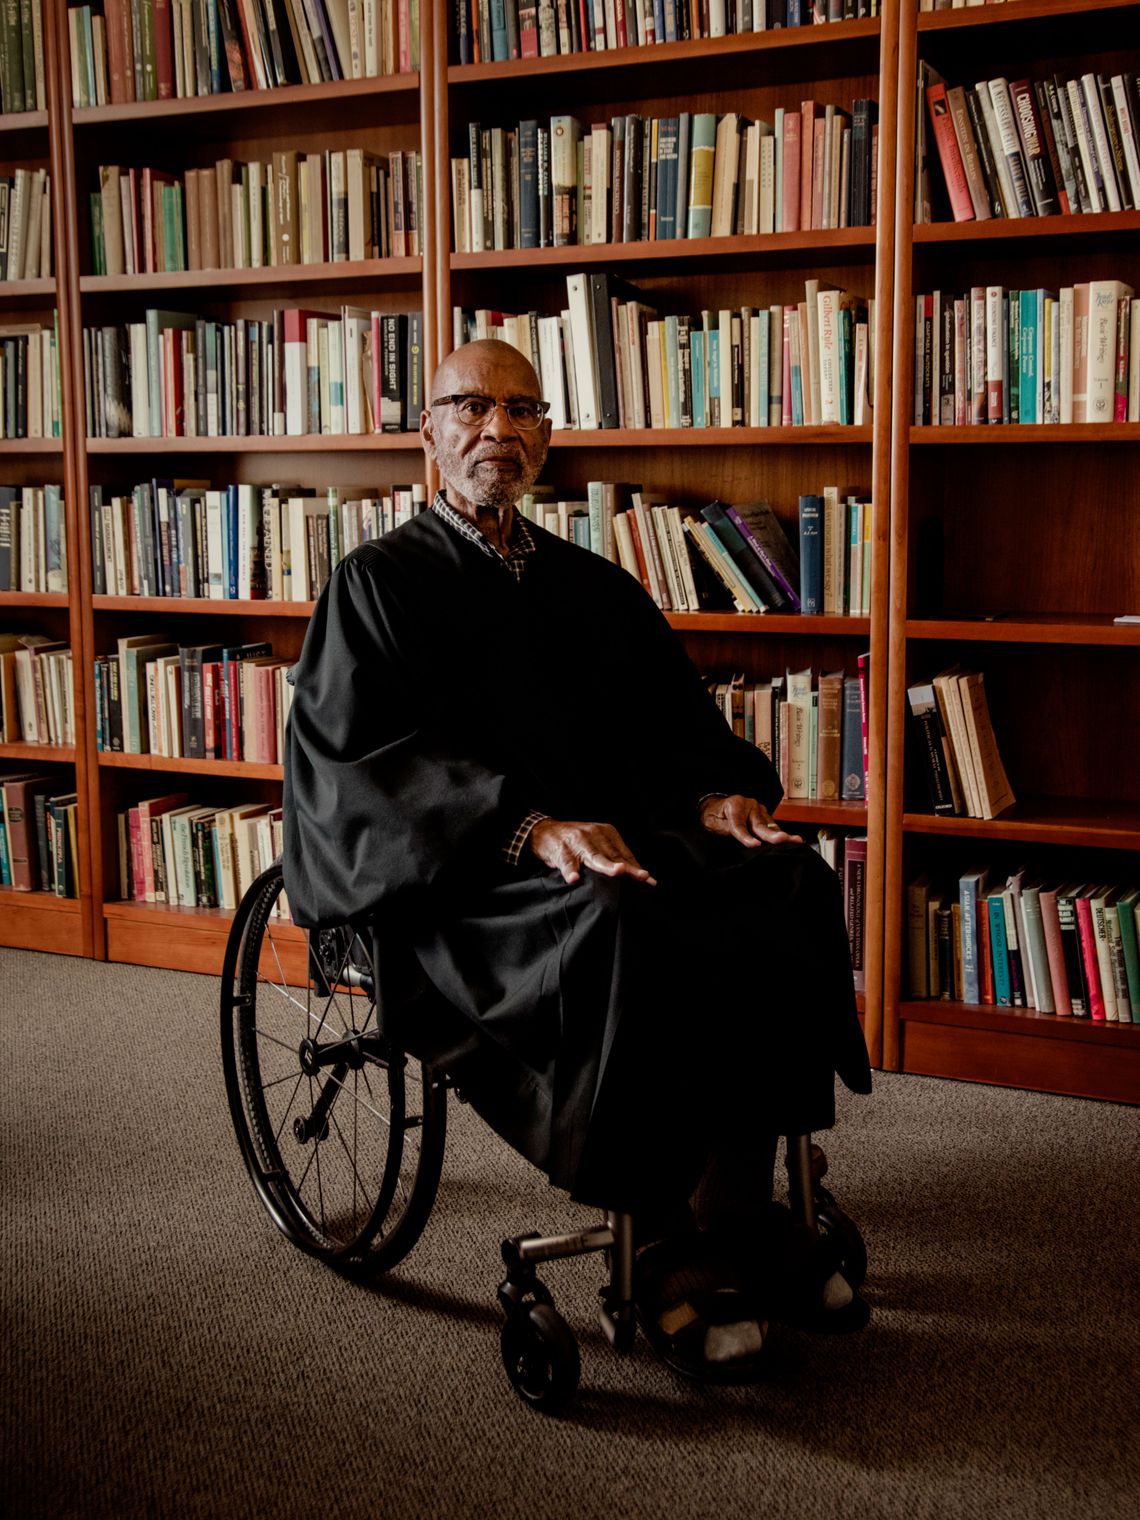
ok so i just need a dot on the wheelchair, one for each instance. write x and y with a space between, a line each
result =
342 1132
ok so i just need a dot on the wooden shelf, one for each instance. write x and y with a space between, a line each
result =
851 815
31 446
177 606
1027 228
1020 1021
191 939
23 121
719 438
1028 628
40 921
284 276
1018 12
1071 821
291 443
1017 434
55 754
774 245
26 292
769 622
1019 1048
292 98
696 51
180 765
33 599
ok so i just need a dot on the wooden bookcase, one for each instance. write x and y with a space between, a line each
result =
40 920
377 114
1061 676
753 75
1037 527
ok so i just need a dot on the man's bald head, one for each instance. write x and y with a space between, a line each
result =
490 464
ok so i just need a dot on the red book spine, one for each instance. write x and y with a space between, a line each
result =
266 714
163 50
639 550
987 957
622 32
1058 975
1088 956
233 733
791 220
112 11
961 202
138 870
209 684
405 33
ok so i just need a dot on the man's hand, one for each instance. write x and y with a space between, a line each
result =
567 847
744 819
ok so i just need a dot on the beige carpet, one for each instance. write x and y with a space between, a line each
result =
166 1353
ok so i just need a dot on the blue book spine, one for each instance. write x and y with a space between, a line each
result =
229 537
5 871
667 22
796 16
999 954
1027 388
811 554
852 787
528 184
463 29
667 179
763 326
499 30
968 903
98 710
797 396
697 359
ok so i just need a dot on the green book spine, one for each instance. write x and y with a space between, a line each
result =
1125 910
98 246
146 30
27 55
13 58
86 26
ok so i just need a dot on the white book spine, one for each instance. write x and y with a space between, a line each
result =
581 333
1104 296
1065 312
1127 136
1100 141
1085 146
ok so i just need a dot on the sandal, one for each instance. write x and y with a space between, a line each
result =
796 1275
696 1313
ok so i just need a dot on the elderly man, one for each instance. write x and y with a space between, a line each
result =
497 742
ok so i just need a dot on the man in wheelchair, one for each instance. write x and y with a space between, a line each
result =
498 748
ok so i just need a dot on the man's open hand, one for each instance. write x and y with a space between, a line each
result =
745 819
567 847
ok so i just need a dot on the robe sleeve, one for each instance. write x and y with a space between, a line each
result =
699 754
376 805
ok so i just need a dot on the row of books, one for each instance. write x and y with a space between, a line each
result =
30 404
1066 949
25 225
33 539
992 355
37 704
656 178
163 49
812 728
174 851
239 542
23 86
198 702
609 361
486 31
956 745
178 375
296 208
1037 147
39 846
846 854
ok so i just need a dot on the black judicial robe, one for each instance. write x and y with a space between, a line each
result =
605 1028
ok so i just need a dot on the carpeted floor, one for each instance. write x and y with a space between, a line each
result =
166 1353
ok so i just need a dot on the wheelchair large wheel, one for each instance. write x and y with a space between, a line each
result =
342 1132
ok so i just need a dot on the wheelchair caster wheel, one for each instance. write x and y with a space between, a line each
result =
541 1357
842 1231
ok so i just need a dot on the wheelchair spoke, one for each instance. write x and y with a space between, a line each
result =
277 1081
358 1180
288 1107
356 1099
273 1040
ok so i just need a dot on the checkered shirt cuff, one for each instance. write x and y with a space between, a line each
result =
512 850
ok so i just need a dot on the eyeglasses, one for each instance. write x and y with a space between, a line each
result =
473 411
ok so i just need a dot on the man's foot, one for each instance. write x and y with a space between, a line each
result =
696 1312
795 1274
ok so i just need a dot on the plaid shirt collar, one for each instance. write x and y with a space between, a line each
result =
522 541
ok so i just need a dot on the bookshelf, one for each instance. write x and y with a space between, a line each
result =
379 115
752 74
1012 549
40 920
